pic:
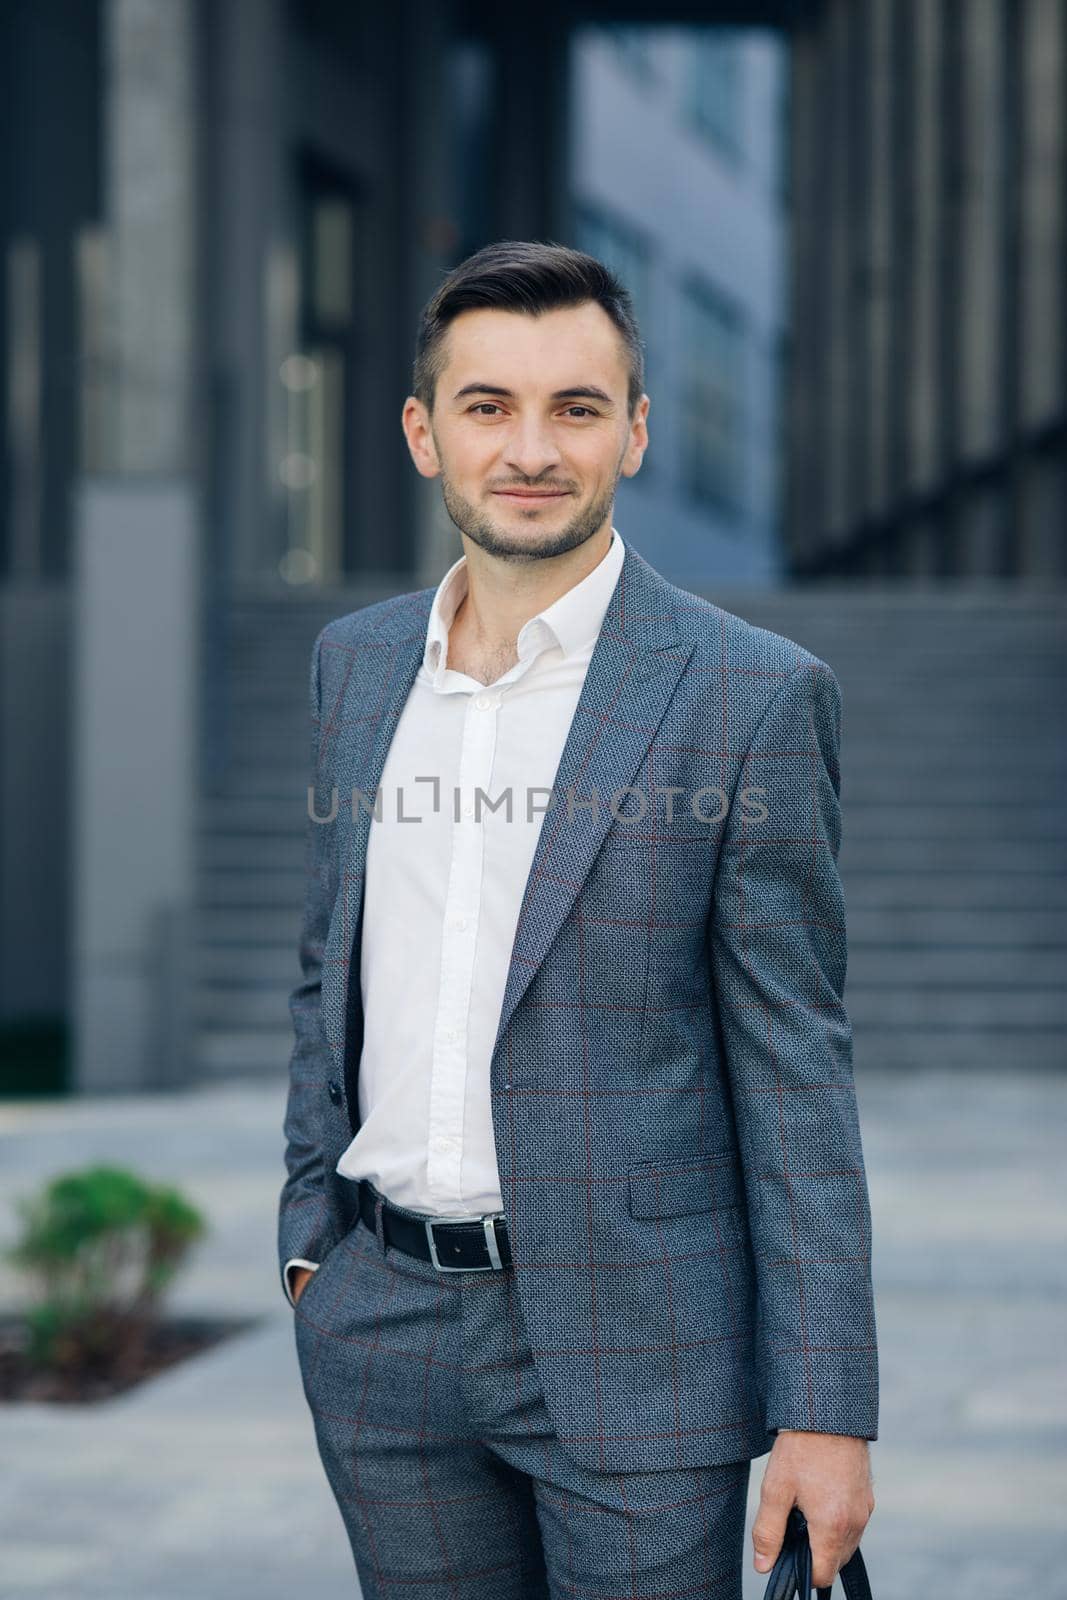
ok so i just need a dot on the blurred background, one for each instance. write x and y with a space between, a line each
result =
844 233
843 224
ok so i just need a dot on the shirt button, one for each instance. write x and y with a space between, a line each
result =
459 922
482 702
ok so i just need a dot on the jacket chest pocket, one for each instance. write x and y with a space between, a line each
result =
684 1185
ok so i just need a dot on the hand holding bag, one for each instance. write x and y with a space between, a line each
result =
791 1573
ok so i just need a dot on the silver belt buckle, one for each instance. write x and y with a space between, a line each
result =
488 1223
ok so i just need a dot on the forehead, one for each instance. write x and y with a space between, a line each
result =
569 344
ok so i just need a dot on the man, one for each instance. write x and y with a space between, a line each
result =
573 957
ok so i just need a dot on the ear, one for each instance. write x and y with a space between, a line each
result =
419 435
637 442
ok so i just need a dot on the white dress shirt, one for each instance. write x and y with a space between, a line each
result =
444 883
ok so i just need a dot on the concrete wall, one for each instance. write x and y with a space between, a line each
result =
35 800
135 771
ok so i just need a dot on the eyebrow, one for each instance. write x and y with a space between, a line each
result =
585 391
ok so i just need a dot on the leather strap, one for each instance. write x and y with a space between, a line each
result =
791 1574
460 1245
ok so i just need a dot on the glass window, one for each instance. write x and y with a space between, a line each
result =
714 89
623 249
633 47
331 258
712 414
318 468
783 143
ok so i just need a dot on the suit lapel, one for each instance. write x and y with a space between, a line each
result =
396 646
402 648
633 671
632 674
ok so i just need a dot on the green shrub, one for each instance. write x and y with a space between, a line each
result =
102 1245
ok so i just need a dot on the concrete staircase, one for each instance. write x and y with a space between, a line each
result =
954 853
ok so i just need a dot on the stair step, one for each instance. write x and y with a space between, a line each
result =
237 966
879 926
223 927
251 889
978 892
954 841
911 1048
930 855
258 1006
239 1052
260 852
978 820
950 1006
938 966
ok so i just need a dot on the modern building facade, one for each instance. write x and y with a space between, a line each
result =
678 182
213 262
929 374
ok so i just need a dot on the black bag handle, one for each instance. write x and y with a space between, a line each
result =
791 1574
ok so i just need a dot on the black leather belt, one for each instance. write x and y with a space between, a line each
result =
469 1245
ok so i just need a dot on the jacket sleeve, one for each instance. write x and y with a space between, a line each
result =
305 1231
778 955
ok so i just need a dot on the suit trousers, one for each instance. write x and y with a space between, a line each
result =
432 1429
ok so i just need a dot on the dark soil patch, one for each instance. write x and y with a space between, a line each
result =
166 1345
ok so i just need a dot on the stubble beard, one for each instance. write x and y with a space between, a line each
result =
496 540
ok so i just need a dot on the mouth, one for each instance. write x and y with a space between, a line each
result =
530 497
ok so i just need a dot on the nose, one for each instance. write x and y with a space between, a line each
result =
531 450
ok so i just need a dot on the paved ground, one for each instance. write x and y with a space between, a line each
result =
205 1483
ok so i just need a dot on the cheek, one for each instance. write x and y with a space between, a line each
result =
465 473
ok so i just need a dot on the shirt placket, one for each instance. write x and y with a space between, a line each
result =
458 944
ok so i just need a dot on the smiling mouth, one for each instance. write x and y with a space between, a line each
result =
530 494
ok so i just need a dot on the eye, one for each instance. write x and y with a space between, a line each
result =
486 407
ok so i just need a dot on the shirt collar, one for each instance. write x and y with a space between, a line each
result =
574 620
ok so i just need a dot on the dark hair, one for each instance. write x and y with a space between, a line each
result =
530 276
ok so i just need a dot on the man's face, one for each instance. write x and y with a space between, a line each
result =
529 432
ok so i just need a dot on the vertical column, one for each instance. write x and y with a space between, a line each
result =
24 441
432 234
839 399
809 200
1004 553
982 350
1043 287
1043 238
924 397
135 563
882 245
531 192
251 306
950 261
855 323
900 356
149 134
134 763
981 153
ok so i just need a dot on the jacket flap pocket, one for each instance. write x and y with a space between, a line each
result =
690 1183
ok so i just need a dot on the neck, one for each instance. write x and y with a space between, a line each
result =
503 595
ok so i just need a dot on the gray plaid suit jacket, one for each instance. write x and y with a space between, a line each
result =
672 1093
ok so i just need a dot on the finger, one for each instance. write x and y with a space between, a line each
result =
823 1572
768 1531
829 1552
